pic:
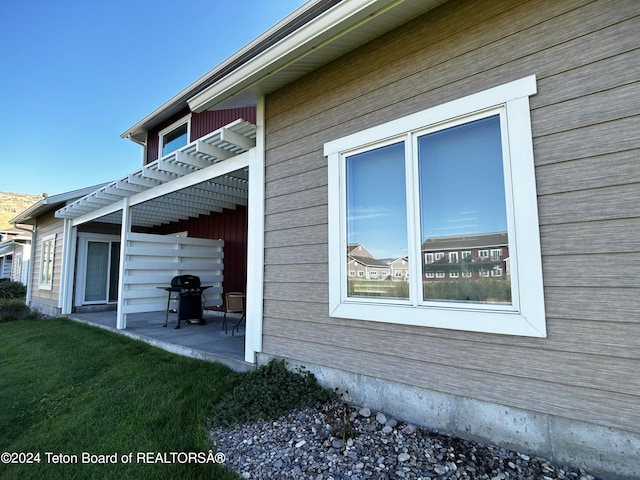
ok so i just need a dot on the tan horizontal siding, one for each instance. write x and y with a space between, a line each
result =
444 73
585 119
605 373
571 145
591 237
618 201
302 294
47 225
596 304
619 168
559 399
309 235
316 215
576 113
309 197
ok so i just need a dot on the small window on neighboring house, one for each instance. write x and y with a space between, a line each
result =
487 138
47 251
174 136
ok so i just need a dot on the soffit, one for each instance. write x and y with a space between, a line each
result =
152 184
335 32
312 36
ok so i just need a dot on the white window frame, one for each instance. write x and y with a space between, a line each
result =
526 315
44 262
171 128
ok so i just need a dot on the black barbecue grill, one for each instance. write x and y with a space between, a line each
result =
189 298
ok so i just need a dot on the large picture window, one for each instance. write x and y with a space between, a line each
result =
450 191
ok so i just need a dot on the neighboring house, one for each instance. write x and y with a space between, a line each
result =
15 251
395 123
362 265
42 274
400 269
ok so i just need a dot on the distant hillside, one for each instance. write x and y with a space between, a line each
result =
11 204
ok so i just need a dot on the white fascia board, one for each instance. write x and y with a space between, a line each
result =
315 34
180 97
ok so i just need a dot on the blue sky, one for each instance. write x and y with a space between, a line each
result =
76 74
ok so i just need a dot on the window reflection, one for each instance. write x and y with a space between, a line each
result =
463 218
377 252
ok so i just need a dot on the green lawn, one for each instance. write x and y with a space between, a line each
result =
71 389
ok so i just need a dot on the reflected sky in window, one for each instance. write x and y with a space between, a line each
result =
461 185
462 180
376 201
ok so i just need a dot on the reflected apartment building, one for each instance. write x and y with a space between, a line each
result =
443 259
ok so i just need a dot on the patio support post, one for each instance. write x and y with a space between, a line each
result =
67 274
121 316
255 242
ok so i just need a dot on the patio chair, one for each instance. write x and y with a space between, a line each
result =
233 303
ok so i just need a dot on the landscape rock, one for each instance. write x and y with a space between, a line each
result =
301 445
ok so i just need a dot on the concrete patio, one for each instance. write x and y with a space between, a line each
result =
205 342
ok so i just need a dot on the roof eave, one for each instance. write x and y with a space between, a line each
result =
28 216
137 132
305 41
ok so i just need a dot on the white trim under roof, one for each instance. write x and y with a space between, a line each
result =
333 33
316 33
204 176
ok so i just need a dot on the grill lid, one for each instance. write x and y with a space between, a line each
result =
185 281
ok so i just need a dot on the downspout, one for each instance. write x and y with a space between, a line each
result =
143 145
32 231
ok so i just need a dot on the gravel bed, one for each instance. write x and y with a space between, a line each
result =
308 444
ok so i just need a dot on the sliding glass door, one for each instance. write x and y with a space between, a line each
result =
97 276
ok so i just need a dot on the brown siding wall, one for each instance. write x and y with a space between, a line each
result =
585 119
201 124
229 225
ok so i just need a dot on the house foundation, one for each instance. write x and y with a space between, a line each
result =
602 451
